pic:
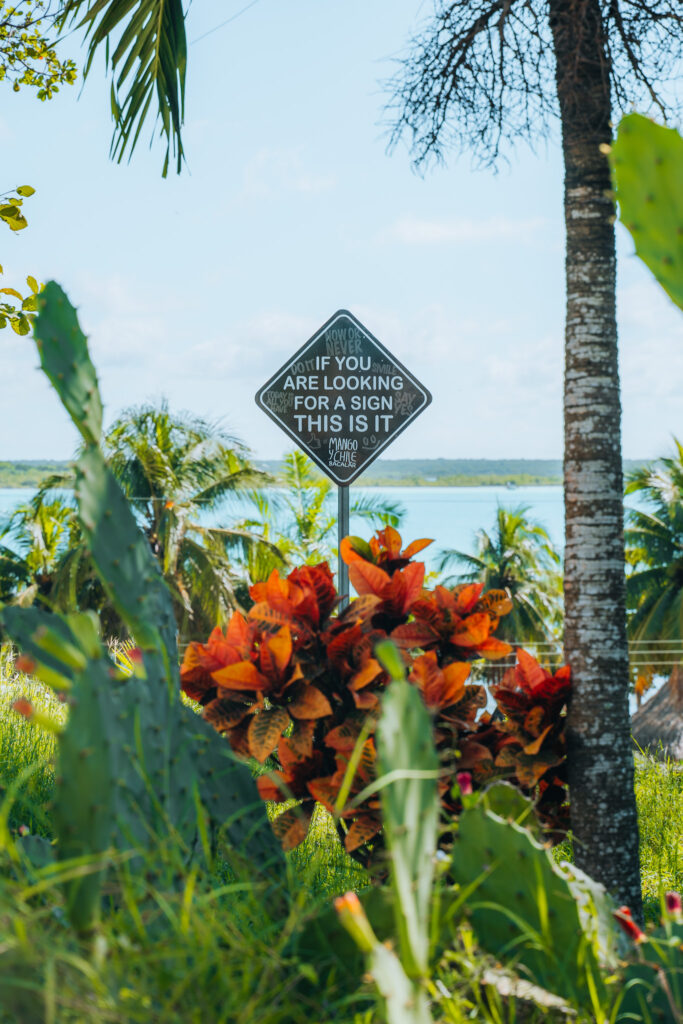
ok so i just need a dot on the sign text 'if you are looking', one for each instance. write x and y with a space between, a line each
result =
343 397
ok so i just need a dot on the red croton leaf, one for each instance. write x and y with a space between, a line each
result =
309 702
265 730
368 579
362 830
360 609
291 827
529 672
413 635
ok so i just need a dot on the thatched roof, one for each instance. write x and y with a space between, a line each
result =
658 724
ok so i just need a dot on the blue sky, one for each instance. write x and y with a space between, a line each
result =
200 286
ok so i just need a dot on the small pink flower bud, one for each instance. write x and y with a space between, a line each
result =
464 780
24 830
674 905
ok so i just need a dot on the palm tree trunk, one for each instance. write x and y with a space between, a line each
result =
603 811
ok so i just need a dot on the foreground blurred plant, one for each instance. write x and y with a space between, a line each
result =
134 765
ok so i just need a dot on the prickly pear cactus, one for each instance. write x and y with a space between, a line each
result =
647 168
521 906
134 764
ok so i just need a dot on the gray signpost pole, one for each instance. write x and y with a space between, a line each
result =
343 531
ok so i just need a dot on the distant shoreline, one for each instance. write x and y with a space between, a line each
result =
384 473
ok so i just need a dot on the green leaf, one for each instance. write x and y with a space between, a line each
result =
647 168
32 283
148 61
410 813
25 190
20 325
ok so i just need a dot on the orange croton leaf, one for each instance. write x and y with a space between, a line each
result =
416 546
265 730
493 648
291 827
343 738
439 688
535 745
367 674
242 676
224 714
266 618
368 579
309 702
362 830
300 741
353 549
534 720
365 699
496 603
360 609
276 652
465 596
272 787
472 631
325 791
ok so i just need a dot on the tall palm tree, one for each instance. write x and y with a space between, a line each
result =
517 556
177 470
654 553
486 71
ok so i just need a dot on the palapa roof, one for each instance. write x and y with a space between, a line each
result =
658 724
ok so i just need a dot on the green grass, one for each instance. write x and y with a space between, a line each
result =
659 794
215 947
26 749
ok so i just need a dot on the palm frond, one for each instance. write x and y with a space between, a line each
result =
148 64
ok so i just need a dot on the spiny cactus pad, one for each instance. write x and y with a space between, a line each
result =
134 764
521 907
68 366
647 169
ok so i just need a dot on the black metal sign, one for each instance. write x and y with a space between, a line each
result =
343 397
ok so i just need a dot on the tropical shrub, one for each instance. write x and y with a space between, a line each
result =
296 685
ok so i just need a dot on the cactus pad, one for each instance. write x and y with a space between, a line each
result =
647 168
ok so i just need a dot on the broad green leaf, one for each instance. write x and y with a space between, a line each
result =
26 190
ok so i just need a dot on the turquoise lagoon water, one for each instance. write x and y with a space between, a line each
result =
450 515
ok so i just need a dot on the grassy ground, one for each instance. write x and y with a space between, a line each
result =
221 952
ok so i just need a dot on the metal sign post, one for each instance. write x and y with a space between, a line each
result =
343 397
342 531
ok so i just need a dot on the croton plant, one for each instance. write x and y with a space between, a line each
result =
295 685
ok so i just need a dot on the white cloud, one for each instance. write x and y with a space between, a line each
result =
274 171
420 231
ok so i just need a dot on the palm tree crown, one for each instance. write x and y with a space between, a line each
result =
517 556
175 469
654 555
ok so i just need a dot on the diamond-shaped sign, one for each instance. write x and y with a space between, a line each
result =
343 397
